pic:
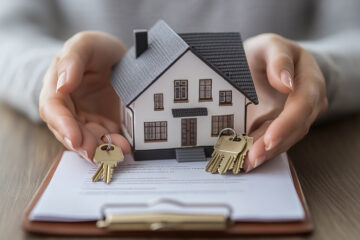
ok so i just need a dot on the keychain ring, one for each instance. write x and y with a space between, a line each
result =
225 129
109 142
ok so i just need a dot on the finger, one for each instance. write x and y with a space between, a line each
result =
278 55
56 111
247 165
279 60
70 71
109 125
120 141
90 51
89 144
99 131
257 153
301 109
284 145
64 141
260 130
291 125
60 119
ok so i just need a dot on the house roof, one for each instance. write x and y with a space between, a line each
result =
223 52
189 112
131 76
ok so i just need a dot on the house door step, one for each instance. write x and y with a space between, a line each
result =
190 154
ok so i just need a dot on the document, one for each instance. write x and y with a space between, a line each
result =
265 194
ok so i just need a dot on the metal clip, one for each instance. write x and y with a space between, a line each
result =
165 221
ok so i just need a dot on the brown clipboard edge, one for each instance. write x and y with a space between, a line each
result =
238 229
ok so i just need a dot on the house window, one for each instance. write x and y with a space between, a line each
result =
225 97
220 122
158 101
205 89
180 90
155 131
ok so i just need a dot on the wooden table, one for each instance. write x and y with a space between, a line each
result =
327 162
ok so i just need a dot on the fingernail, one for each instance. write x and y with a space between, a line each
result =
69 143
286 79
61 81
268 147
259 161
270 144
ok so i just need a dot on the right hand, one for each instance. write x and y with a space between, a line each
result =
292 95
77 100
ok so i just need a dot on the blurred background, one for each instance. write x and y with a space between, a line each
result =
33 32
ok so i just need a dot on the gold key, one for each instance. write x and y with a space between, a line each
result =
226 150
216 158
214 162
240 159
230 149
108 156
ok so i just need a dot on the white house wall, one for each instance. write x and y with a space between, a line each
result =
189 67
126 117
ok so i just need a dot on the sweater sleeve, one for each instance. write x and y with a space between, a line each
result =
339 59
26 51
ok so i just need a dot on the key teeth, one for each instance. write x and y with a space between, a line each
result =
241 161
217 163
212 161
98 173
107 175
222 167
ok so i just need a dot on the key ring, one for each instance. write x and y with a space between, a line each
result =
108 140
225 129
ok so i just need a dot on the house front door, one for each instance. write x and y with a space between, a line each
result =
188 131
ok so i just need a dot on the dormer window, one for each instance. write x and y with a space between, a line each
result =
158 102
205 90
181 90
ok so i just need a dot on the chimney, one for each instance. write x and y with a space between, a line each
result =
141 41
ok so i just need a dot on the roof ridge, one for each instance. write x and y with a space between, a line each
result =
222 51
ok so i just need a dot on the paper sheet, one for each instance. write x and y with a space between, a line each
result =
265 194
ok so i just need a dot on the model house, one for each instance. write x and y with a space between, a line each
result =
178 91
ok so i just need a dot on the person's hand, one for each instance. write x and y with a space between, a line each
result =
77 100
291 91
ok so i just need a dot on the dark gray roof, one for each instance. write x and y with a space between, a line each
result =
224 53
221 51
189 112
131 76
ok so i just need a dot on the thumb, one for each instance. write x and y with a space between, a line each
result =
70 70
280 69
85 51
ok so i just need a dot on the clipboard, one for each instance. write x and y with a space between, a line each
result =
160 225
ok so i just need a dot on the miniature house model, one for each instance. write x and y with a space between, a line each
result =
178 91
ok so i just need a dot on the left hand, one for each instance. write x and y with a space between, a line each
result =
77 100
291 91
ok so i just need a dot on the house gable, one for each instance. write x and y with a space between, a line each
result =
192 69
